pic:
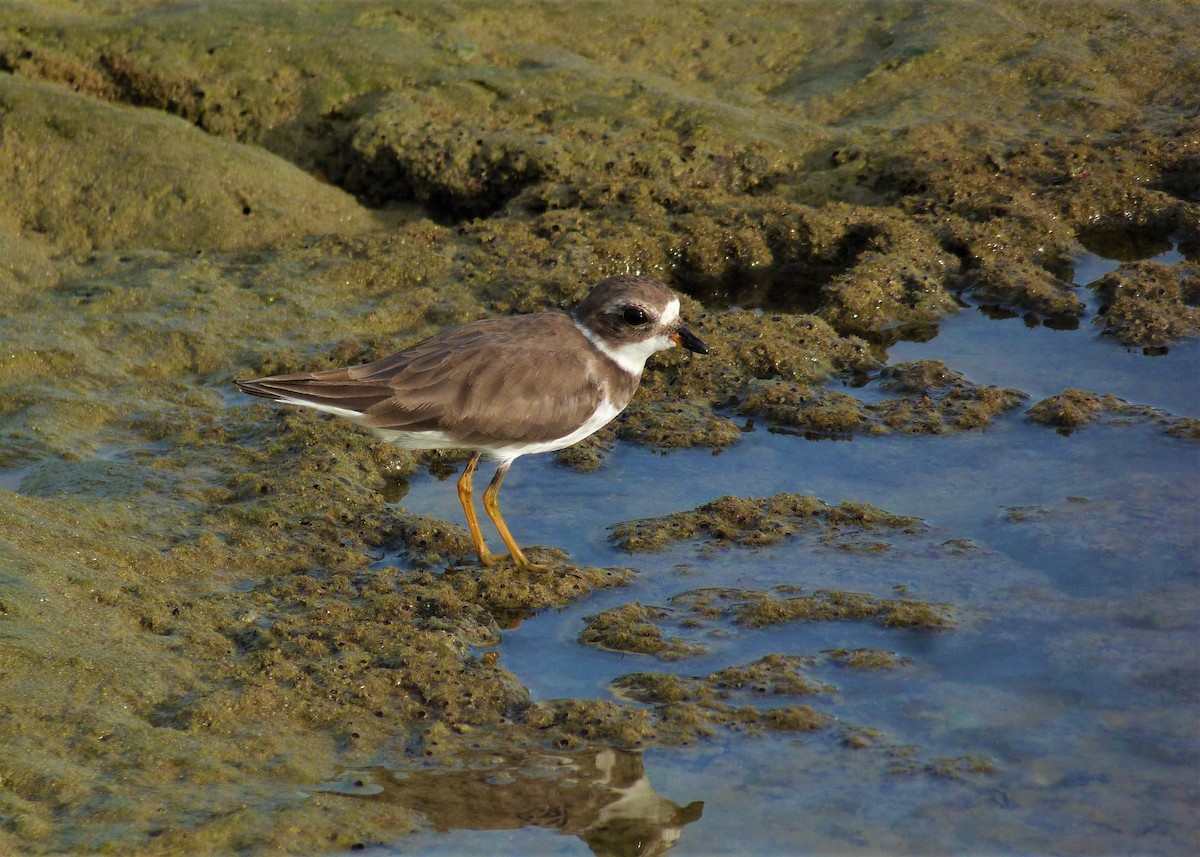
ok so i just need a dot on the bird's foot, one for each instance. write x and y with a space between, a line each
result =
488 559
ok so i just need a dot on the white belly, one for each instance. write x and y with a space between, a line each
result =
500 451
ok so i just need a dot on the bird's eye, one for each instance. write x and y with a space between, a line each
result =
635 316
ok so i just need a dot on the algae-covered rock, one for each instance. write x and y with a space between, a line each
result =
867 659
687 708
1074 409
629 628
664 425
92 176
934 400
573 723
939 400
1149 304
750 521
821 412
759 609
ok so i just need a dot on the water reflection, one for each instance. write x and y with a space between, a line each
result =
602 796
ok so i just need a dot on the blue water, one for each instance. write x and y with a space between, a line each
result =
1043 362
1074 668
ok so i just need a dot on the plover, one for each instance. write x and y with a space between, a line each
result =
503 387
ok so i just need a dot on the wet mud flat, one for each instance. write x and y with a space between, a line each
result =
218 617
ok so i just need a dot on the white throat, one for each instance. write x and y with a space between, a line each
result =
632 356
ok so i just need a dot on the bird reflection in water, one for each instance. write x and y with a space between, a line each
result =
600 795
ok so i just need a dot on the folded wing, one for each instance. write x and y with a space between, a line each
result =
529 378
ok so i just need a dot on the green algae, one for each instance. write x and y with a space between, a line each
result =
570 724
1072 409
867 659
67 176
935 400
633 628
951 767
685 424
628 628
755 522
750 170
191 601
1149 304
1075 409
773 675
758 609
688 708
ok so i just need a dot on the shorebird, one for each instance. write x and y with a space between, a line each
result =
503 387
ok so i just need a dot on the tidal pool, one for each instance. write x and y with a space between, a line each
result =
916 613
1058 715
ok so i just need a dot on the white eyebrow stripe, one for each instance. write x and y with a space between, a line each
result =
671 314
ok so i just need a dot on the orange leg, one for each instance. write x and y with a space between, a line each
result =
491 504
468 504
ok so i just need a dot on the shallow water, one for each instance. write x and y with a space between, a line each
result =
1042 362
1071 565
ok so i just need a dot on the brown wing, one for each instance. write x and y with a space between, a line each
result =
529 378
